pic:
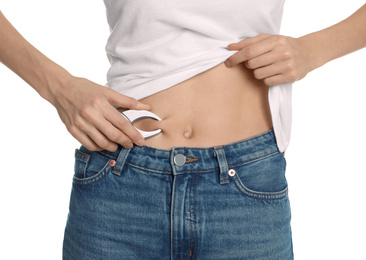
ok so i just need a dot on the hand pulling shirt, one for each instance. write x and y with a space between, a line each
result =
154 45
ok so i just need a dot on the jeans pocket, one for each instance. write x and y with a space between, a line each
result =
90 166
262 178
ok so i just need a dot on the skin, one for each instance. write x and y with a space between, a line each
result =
216 107
277 59
86 108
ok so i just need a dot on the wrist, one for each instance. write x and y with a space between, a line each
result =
314 49
56 81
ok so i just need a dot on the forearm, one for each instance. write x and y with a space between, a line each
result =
338 40
26 61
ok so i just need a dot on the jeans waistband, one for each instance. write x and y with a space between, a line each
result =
180 160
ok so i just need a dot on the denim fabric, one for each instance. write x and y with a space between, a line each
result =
223 202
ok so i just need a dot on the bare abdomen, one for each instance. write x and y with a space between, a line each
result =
219 106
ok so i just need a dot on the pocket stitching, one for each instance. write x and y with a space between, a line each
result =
84 157
258 195
81 155
93 179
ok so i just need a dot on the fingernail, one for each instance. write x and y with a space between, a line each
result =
140 142
129 146
228 64
231 45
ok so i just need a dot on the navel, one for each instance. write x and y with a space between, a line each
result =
188 134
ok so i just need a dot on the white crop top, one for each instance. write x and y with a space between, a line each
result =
155 45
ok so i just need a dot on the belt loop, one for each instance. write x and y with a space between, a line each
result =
220 155
120 161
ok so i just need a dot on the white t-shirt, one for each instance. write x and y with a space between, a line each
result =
155 45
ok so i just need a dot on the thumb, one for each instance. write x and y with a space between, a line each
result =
118 100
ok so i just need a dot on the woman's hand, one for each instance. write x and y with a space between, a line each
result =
275 59
86 109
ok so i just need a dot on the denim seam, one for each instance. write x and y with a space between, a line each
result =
107 155
261 195
84 157
99 176
81 155
254 159
204 170
226 175
196 170
172 219
118 171
145 168
191 219
169 172
194 215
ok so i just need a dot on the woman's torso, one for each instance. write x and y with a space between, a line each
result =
165 53
219 106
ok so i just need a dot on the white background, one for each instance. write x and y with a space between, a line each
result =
325 160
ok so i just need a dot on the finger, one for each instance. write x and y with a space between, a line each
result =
276 80
248 53
121 131
118 136
90 123
122 128
271 70
102 141
103 133
85 140
247 41
262 60
251 51
120 100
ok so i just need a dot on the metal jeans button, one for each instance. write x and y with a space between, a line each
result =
179 159
232 172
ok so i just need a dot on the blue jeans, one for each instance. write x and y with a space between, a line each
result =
223 202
